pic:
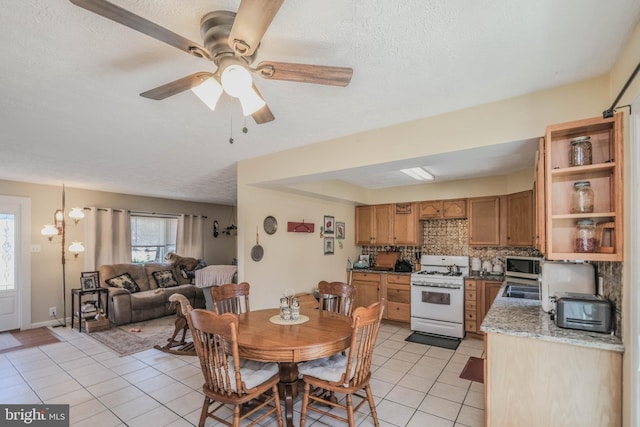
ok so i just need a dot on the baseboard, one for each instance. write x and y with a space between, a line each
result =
47 323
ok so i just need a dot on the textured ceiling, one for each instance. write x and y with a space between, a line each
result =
70 110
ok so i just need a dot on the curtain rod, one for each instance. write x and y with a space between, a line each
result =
609 113
147 213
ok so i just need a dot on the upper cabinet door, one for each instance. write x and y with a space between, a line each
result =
484 221
430 209
383 219
364 225
454 208
520 222
604 173
406 228
539 195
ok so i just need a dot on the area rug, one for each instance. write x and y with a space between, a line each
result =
473 370
18 340
124 341
434 340
7 341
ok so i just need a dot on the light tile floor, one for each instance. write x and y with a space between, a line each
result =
414 385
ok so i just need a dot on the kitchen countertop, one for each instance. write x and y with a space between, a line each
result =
525 318
498 277
368 270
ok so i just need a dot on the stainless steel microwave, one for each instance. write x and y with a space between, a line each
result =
524 267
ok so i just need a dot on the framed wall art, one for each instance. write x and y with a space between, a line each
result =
328 245
339 230
328 224
89 280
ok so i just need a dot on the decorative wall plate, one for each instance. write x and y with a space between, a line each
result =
270 225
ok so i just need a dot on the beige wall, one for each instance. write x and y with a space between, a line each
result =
46 268
291 260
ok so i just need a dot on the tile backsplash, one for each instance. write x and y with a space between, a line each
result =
450 237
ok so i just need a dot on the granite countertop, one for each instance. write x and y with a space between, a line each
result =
525 318
368 270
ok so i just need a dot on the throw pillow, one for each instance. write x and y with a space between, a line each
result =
165 278
124 281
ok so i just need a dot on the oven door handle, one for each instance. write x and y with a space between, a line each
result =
437 285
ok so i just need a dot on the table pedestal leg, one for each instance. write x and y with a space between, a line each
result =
288 389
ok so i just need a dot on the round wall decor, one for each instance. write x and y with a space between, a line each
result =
270 225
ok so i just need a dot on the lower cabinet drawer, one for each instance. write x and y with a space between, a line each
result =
400 312
399 293
469 295
470 305
470 315
470 326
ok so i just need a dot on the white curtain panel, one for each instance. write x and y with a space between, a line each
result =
107 237
190 241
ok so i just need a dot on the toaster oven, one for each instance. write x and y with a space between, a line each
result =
584 312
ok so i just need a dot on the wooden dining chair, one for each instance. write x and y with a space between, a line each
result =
346 375
228 379
230 298
337 297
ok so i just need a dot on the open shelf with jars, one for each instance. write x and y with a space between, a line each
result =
584 190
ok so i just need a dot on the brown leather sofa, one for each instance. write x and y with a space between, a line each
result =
150 301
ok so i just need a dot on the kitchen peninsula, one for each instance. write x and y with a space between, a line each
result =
572 377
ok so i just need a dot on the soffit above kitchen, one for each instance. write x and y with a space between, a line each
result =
71 110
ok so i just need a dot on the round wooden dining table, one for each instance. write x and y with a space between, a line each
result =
324 334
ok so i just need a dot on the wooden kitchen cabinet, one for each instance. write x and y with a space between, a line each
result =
367 288
484 221
406 227
374 225
605 176
443 209
505 220
394 288
520 222
470 306
388 224
478 297
538 195
531 381
397 293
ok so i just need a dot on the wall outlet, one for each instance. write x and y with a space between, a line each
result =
52 312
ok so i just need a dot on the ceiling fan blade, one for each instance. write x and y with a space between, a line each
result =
305 73
263 115
177 86
138 23
251 22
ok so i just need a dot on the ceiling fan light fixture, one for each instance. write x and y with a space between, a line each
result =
209 92
250 102
419 174
236 80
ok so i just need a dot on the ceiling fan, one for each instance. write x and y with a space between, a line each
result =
231 42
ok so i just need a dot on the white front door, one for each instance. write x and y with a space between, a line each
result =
14 263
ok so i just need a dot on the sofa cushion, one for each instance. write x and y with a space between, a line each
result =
152 267
124 281
165 278
136 271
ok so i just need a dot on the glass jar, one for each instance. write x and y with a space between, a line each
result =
295 309
585 240
580 151
582 197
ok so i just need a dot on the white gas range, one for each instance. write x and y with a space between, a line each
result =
437 295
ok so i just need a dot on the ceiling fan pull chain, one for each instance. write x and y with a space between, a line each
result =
231 129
